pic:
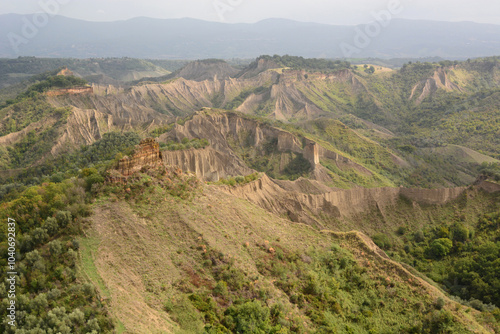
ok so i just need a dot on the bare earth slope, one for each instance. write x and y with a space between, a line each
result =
301 206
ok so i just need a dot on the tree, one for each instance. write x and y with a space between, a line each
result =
441 247
93 179
460 233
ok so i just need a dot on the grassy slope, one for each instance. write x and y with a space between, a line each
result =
154 250
88 246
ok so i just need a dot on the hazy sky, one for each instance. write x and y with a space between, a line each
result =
323 11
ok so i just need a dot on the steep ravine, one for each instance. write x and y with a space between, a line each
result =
227 131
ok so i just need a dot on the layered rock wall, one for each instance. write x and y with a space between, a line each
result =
147 153
218 128
207 163
432 196
304 207
311 153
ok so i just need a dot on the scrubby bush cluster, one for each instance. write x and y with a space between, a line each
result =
185 144
153 183
461 257
101 155
58 81
322 290
49 296
161 130
239 180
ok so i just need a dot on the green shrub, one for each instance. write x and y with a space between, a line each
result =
63 218
251 317
185 314
440 247
440 303
401 230
442 232
382 240
460 232
93 179
419 236
221 289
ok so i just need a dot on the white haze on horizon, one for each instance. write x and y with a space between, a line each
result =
248 11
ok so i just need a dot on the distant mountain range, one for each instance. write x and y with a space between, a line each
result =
196 39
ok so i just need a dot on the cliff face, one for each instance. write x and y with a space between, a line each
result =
103 111
429 86
303 203
147 153
222 128
431 196
207 163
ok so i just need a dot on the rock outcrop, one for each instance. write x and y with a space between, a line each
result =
311 153
66 72
429 86
147 153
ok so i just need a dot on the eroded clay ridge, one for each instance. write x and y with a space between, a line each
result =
208 164
283 198
431 85
303 200
223 128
